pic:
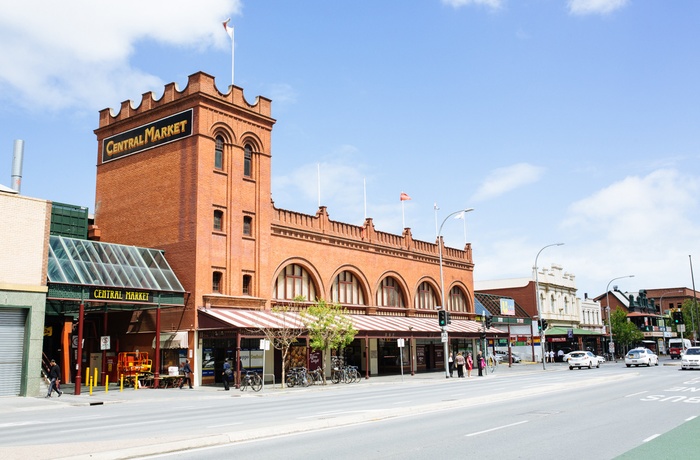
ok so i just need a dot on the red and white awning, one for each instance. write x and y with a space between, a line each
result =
373 324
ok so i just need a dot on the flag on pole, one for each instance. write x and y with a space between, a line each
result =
229 31
404 196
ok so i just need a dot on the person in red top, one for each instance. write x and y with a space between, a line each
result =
470 364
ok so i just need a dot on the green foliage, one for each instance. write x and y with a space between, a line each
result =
624 332
328 326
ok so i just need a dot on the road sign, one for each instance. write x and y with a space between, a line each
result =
611 348
104 342
443 337
400 343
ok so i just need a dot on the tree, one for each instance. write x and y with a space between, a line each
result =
625 333
281 338
328 326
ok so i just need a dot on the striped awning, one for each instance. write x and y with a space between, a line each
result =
256 319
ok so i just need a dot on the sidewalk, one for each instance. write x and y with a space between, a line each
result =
9 404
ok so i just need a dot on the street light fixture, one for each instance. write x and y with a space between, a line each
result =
611 347
539 311
442 286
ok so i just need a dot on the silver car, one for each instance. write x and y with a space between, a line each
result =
641 357
582 358
691 358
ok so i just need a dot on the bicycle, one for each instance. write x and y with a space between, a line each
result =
297 376
252 380
314 376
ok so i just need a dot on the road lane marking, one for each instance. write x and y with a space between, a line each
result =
636 394
690 418
225 424
652 437
496 428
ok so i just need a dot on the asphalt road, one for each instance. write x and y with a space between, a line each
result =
527 413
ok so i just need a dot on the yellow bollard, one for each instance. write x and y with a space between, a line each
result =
91 386
121 382
106 383
94 381
87 376
136 381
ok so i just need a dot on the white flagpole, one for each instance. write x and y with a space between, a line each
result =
435 206
229 31
403 218
364 191
318 175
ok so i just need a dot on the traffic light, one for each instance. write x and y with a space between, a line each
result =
544 324
488 322
442 318
483 335
449 317
678 317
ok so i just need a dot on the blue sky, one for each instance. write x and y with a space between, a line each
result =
558 121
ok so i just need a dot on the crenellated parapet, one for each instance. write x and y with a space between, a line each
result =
293 224
200 84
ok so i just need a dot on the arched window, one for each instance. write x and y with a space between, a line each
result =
294 281
219 153
566 305
457 301
390 293
216 281
425 298
346 289
218 220
247 225
247 161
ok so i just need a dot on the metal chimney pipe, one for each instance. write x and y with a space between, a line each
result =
17 158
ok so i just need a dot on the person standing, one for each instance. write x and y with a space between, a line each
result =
459 361
551 356
227 373
54 379
470 364
451 361
480 363
188 374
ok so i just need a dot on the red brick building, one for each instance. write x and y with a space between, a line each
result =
190 173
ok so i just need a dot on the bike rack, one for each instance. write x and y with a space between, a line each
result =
273 381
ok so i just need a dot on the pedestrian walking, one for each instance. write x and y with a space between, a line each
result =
54 379
470 364
551 356
227 374
480 364
459 360
451 361
187 370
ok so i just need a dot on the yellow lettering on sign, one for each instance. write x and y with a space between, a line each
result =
48 331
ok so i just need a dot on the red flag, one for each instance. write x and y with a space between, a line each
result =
404 196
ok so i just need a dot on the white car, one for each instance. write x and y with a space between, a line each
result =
601 359
641 357
502 356
691 358
582 358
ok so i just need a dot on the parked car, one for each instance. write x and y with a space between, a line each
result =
502 356
691 358
582 358
641 356
601 359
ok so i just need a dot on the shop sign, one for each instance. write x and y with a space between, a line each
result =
147 136
120 295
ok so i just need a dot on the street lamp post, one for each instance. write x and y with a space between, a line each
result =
442 287
611 346
539 310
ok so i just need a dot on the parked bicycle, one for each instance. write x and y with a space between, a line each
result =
315 377
491 363
297 376
342 373
252 380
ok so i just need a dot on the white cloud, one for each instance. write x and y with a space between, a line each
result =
585 7
503 180
49 63
493 4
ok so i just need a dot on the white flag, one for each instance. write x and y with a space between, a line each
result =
228 29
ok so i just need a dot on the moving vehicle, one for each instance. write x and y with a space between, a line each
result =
676 347
641 356
502 356
582 358
691 358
